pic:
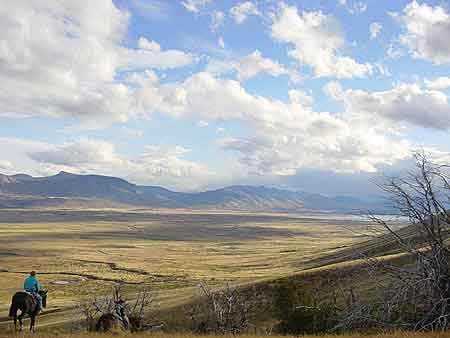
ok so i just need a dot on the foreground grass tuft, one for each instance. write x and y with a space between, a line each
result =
191 335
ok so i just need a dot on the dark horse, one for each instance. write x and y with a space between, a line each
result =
109 321
27 304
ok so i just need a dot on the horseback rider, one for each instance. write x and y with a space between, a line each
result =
121 313
32 286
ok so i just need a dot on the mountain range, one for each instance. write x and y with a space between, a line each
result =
71 190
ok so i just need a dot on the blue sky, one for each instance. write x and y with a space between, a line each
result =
196 94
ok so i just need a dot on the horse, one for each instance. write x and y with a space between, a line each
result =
107 322
110 322
27 304
116 320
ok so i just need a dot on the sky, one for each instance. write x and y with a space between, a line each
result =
323 96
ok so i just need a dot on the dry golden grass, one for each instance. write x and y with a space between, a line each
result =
190 335
168 252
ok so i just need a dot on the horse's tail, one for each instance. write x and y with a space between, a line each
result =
12 310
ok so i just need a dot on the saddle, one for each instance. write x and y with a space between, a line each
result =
33 295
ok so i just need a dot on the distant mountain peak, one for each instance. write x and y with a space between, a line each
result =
23 190
65 173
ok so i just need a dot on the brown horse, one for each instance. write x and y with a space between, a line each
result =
28 305
110 322
107 322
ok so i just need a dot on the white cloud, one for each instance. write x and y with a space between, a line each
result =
375 29
150 55
439 83
202 124
318 42
356 7
6 166
403 105
166 166
255 63
249 66
285 137
221 42
217 19
60 60
195 5
241 12
153 46
15 150
301 97
382 69
334 90
82 155
220 67
427 30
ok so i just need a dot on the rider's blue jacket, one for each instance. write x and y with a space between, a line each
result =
32 284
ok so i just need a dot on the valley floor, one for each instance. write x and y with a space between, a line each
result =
82 253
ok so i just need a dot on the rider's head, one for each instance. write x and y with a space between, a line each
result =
33 273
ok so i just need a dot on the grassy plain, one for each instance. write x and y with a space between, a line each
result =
82 253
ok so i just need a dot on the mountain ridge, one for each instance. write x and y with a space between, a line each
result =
65 188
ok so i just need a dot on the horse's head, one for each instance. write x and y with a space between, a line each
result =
43 294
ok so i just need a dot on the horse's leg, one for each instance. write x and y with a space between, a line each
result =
15 322
20 320
32 321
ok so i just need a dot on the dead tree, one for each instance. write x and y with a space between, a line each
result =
414 292
131 315
224 311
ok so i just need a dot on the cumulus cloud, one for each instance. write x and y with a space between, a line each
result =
318 42
334 90
375 29
150 55
439 83
285 137
404 103
255 63
427 29
195 5
60 60
83 155
249 66
241 12
338 150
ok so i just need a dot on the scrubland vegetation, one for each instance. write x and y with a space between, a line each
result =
191 335
284 276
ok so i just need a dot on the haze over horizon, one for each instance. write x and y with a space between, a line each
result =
320 96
